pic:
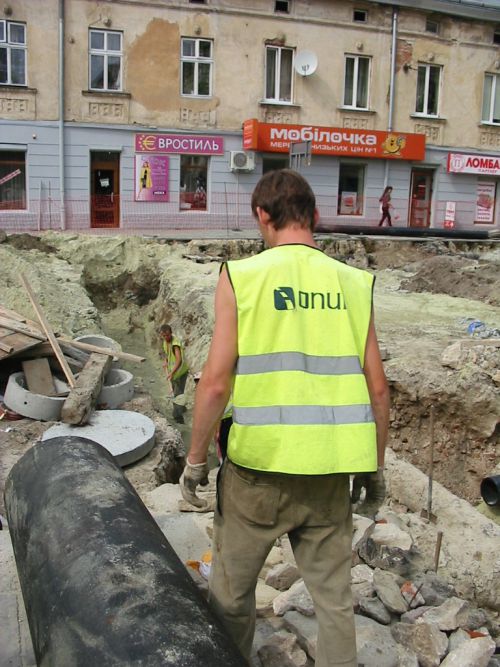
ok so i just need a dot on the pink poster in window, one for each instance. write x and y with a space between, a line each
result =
151 178
485 201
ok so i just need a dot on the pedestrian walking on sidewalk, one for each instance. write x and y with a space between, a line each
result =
385 205
294 339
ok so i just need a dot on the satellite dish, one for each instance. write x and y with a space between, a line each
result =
306 63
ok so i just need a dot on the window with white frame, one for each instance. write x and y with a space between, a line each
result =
12 53
428 82
12 180
105 60
279 73
491 99
196 66
356 82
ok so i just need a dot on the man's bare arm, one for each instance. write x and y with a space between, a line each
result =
378 390
214 388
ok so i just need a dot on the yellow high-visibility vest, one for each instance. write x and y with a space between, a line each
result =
300 399
168 348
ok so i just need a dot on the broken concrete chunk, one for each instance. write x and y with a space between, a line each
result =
425 640
433 589
391 536
472 653
384 557
360 526
387 587
448 616
282 650
274 557
457 638
373 608
361 574
298 597
407 658
282 576
306 630
264 596
412 595
375 645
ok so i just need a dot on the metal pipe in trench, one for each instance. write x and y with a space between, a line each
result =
101 584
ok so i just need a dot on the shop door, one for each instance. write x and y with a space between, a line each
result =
104 189
421 197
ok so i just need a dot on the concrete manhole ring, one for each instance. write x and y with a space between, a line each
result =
102 341
118 388
36 406
127 435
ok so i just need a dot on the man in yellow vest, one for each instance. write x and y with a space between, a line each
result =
176 368
294 339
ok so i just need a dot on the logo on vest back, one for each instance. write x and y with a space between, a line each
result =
285 299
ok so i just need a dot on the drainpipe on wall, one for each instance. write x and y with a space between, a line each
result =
392 91
62 209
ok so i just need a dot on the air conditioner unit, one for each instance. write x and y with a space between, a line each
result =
242 161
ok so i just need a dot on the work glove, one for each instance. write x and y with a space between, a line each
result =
374 485
194 474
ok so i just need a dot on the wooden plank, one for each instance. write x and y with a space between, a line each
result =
82 398
12 315
39 376
19 327
102 350
11 343
6 348
48 332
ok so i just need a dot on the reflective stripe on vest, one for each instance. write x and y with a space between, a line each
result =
303 414
296 361
300 399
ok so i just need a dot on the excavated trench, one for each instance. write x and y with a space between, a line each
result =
427 292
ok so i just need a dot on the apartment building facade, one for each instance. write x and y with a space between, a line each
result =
158 115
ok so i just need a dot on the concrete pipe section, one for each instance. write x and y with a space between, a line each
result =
118 388
101 583
102 341
36 406
128 436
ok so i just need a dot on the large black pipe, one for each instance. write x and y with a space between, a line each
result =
417 232
101 584
490 490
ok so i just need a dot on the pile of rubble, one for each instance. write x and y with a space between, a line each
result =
407 611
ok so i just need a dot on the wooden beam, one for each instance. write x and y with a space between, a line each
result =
48 332
102 350
82 398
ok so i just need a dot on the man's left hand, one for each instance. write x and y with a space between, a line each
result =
375 492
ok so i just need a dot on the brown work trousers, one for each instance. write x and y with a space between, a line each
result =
257 508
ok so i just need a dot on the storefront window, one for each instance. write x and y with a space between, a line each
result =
351 189
12 180
485 202
273 162
193 182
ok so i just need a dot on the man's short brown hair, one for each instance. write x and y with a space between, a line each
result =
286 197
